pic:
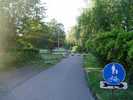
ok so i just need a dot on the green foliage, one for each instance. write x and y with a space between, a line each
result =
113 46
26 17
106 31
130 53
73 36
23 56
105 16
94 76
90 61
74 49
40 34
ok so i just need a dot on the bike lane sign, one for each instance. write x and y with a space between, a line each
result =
114 74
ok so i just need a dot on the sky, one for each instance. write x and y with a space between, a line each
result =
64 11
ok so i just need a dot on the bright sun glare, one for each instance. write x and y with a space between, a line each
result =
65 11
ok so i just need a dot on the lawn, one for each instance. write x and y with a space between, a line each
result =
95 76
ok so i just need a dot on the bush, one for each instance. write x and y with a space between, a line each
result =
113 46
22 56
74 49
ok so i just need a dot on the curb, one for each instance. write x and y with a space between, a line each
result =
96 96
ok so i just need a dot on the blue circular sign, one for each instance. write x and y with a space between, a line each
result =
114 73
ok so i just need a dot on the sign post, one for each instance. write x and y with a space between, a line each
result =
112 98
113 74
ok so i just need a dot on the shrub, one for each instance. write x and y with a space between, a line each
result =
113 46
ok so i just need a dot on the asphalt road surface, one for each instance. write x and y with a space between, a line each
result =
64 81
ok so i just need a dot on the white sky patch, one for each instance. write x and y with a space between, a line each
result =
65 11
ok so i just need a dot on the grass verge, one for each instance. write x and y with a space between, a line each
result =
95 76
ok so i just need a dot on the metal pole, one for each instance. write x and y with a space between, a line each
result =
58 41
112 94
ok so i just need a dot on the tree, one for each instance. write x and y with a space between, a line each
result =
57 33
106 31
13 12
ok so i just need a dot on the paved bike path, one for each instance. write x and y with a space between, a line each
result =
64 81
